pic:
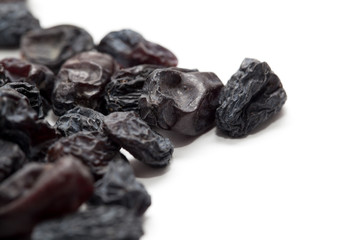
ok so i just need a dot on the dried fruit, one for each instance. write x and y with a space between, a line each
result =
53 46
180 100
93 149
104 222
19 124
11 159
252 96
15 21
130 48
17 70
120 187
32 94
80 119
134 135
123 91
42 191
82 80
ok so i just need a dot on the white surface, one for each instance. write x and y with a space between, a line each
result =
296 179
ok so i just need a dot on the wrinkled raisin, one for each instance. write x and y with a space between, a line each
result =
53 46
180 100
123 91
80 119
15 21
120 187
129 131
252 96
93 149
82 80
130 48
103 222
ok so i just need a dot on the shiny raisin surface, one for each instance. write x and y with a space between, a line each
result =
180 100
82 80
12 158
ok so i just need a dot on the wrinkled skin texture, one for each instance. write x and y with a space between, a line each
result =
181 101
93 149
15 21
104 222
32 94
53 46
80 119
18 70
129 131
82 80
130 48
120 187
252 96
42 191
12 158
19 124
123 91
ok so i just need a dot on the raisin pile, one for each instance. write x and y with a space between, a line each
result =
69 179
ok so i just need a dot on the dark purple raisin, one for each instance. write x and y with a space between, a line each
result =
12 158
130 48
102 222
181 101
53 46
129 131
120 187
42 191
123 91
93 149
17 70
252 96
82 80
80 119
31 92
15 21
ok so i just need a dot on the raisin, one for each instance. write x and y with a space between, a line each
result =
123 91
252 96
32 93
103 222
133 134
120 187
80 119
93 149
12 159
17 70
130 48
82 80
179 100
42 191
19 124
15 21
53 46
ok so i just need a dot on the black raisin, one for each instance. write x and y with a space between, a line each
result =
130 48
252 96
120 187
180 100
15 21
53 46
82 80
103 222
133 134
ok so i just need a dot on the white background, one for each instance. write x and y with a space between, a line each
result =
297 178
